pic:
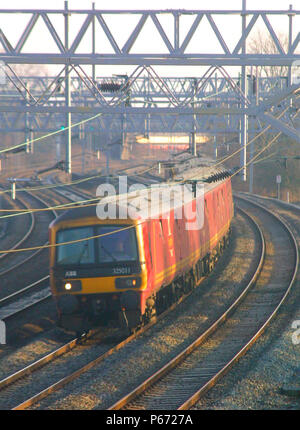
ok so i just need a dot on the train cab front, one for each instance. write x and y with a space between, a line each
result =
96 275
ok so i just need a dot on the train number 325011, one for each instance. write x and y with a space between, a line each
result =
121 270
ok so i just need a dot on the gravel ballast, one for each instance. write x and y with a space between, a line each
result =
124 370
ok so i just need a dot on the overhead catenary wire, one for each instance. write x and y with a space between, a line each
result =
75 182
98 115
53 133
72 206
57 185
69 205
123 228
63 206
54 245
251 140
258 154
267 157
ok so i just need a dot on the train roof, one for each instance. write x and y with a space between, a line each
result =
128 200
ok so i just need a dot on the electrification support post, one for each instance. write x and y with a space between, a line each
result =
31 138
93 44
26 122
252 144
124 116
243 130
176 31
83 157
68 97
215 147
58 138
13 190
107 165
291 15
147 118
251 170
257 86
123 132
146 127
82 140
193 134
193 142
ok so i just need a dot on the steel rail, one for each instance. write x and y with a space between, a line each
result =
49 357
46 294
69 378
204 336
28 370
9 311
37 251
27 234
212 382
30 301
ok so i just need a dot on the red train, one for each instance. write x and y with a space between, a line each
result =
127 270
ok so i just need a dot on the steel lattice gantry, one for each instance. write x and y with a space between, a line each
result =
176 50
144 93
45 109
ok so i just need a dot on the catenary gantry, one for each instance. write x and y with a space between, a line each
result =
144 99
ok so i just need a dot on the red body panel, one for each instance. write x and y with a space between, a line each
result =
171 250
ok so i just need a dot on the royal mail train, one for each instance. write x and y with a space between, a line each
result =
125 270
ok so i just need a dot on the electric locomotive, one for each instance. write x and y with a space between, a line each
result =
125 270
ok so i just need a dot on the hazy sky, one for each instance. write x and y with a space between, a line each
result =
39 40
154 4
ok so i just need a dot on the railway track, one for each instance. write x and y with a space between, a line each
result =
22 298
267 377
289 211
36 235
167 371
12 233
38 291
105 352
182 381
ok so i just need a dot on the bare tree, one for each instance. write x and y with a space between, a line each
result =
263 43
30 69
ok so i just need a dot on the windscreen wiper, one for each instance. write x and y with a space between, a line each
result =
82 252
108 252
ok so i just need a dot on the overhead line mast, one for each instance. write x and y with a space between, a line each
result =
178 52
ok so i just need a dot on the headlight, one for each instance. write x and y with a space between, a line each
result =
128 282
70 286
